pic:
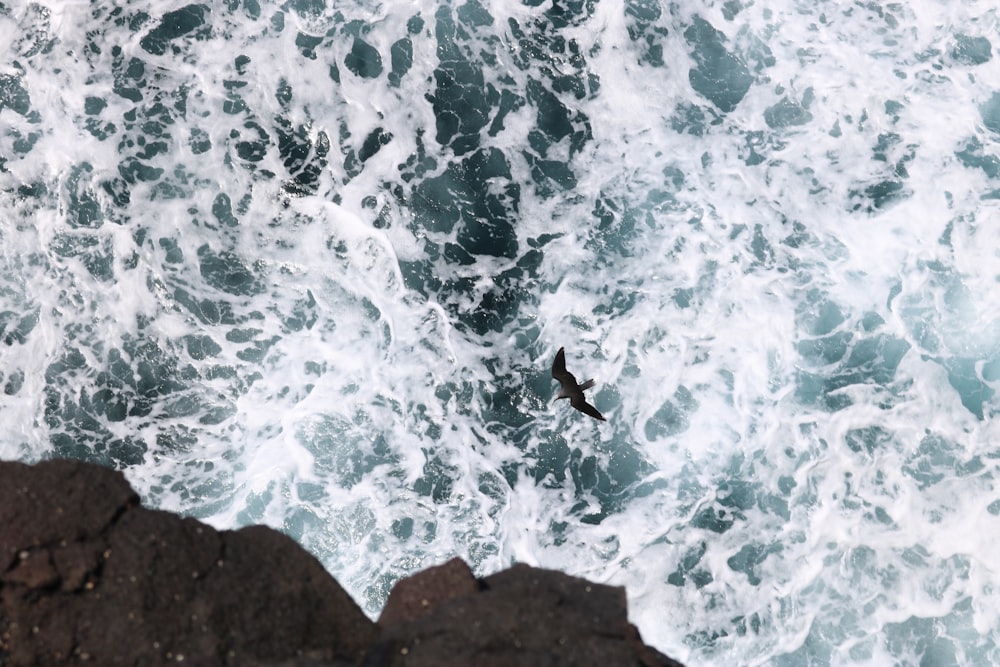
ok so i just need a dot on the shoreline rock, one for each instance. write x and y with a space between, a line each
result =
87 574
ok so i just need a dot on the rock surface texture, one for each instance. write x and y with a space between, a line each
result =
89 575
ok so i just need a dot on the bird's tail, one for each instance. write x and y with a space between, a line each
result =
588 384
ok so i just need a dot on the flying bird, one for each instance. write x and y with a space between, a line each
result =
570 389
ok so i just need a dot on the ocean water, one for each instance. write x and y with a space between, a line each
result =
308 263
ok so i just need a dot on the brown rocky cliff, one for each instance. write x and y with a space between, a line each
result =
89 575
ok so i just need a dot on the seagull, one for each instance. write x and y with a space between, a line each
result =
570 389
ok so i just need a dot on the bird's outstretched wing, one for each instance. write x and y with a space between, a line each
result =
559 371
583 406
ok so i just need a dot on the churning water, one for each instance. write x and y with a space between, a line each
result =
308 263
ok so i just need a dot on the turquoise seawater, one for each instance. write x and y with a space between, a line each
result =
308 264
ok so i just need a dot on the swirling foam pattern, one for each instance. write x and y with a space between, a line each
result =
308 264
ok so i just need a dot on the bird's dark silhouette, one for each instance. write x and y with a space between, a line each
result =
571 389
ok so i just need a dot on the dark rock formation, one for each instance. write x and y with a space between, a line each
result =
86 573
89 575
521 617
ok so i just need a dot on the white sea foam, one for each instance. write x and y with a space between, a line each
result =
786 510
